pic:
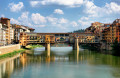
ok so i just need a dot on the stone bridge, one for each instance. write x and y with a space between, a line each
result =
51 38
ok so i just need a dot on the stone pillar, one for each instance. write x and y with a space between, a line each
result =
76 44
47 48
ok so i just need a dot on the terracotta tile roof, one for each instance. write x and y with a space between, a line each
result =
5 18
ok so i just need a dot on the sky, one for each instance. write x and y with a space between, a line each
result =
59 15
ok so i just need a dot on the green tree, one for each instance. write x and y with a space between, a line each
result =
79 31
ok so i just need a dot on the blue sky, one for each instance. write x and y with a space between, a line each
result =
59 15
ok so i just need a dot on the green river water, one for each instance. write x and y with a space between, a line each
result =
60 62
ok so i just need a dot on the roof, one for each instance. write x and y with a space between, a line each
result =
22 27
5 18
31 29
116 21
58 33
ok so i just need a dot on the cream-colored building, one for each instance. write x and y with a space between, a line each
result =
11 34
3 29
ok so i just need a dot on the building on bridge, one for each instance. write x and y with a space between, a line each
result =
41 38
35 38
85 37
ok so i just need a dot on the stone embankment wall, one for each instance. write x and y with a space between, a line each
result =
106 46
9 48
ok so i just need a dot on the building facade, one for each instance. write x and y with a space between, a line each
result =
18 29
112 32
3 29
9 33
6 21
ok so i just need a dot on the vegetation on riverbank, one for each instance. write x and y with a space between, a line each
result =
33 46
12 53
19 51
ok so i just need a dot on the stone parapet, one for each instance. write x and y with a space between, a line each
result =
9 48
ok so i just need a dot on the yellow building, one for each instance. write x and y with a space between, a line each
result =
90 39
35 38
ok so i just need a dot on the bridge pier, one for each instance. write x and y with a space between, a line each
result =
76 44
47 48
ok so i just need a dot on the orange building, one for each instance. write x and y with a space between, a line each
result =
32 38
112 32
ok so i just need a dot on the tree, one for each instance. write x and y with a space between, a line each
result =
79 31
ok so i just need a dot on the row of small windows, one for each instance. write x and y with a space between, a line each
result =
61 34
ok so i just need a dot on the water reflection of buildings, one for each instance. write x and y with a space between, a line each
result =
10 65
7 67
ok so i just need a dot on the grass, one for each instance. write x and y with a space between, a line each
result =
19 51
34 46
12 53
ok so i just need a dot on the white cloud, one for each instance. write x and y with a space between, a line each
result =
2 15
55 21
16 7
60 26
52 20
94 11
14 21
112 8
39 25
91 9
84 18
85 22
62 21
34 3
70 3
74 24
34 21
58 11
24 16
37 18
24 19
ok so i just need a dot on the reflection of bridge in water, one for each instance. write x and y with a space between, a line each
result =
55 54
20 65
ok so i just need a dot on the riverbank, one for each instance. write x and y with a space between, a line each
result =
9 48
92 48
89 47
12 53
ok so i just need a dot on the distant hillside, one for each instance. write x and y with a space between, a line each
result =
79 31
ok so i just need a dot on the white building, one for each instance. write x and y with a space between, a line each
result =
11 34
3 29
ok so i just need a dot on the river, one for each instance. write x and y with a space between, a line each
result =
60 62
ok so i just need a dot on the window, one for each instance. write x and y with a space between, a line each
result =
61 34
56 34
66 34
